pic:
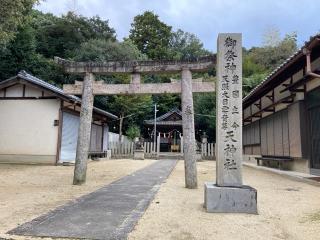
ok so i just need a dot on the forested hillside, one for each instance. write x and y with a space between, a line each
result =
29 40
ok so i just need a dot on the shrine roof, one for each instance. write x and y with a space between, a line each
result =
165 120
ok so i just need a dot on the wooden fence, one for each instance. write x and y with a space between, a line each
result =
126 149
121 150
207 150
150 150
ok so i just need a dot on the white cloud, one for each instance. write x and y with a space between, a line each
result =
205 18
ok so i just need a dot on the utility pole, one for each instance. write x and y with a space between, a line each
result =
155 127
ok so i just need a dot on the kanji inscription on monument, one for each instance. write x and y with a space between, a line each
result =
229 110
228 195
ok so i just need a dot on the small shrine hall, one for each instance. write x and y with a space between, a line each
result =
169 126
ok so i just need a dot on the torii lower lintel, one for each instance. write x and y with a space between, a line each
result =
138 88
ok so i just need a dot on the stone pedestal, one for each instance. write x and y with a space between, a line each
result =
230 199
108 156
138 154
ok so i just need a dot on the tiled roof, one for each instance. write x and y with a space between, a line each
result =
164 116
166 123
58 91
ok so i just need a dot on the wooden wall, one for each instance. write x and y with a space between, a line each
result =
275 134
284 133
251 138
269 136
298 134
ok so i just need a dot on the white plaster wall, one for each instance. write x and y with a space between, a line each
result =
15 91
314 83
26 127
33 92
297 76
280 107
47 94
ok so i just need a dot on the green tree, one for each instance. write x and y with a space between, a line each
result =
205 114
258 62
251 82
130 109
102 50
270 56
132 132
60 36
20 54
151 36
13 13
186 45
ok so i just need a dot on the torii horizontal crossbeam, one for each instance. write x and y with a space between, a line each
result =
146 88
165 66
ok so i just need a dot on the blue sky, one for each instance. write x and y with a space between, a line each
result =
205 18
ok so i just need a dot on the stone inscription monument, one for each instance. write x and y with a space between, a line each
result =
228 194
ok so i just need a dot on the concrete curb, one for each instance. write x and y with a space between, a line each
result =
284 174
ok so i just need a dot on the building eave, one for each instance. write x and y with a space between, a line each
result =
266 85
24 77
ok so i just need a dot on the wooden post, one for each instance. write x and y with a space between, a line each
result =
158 146
189 142
131 150
181 144
83 143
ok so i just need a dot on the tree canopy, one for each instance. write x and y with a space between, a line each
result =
258 62
13 13
151 36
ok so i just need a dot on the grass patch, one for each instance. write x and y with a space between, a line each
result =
315 217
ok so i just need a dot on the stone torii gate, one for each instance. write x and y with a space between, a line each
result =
90 87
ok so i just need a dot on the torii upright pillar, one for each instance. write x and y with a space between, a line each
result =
84 132
189 150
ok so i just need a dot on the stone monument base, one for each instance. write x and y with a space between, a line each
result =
230 199
138 154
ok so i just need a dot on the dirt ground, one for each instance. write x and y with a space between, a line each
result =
287 210
28 191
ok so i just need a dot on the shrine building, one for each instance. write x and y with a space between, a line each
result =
169 126
281 115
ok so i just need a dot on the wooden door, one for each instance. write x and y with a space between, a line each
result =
314 114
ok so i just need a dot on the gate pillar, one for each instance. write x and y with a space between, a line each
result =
83 143
189 142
